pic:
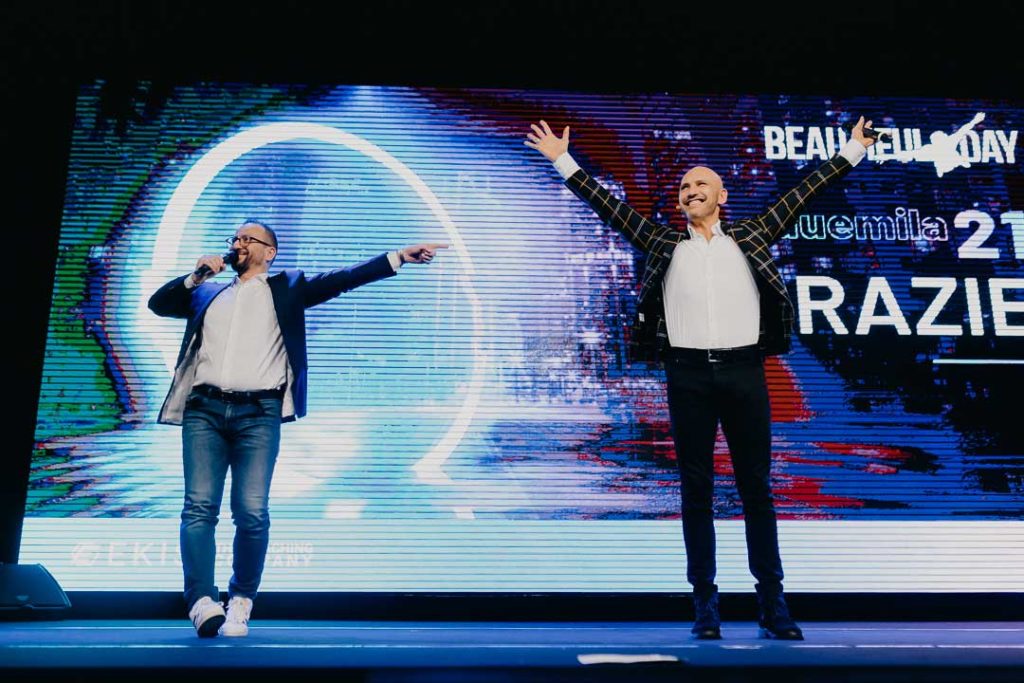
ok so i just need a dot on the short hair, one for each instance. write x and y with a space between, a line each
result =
270 230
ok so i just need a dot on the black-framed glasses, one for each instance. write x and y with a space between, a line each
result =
245 240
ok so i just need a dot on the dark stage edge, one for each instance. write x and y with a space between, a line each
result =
497 651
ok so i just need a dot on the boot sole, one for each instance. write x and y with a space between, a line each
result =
705 635
765 633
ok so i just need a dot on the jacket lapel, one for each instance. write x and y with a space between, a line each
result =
201 313
656 264
758 254
279 292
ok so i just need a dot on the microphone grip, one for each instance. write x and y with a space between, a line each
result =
869 132
202 271
872 133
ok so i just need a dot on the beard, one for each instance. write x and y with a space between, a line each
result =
241 265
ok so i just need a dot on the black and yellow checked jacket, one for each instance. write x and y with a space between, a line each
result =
754 237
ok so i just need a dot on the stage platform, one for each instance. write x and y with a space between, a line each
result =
496 651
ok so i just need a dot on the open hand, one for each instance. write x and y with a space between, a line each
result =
546 142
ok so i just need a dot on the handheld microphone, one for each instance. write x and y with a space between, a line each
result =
230 257
881 136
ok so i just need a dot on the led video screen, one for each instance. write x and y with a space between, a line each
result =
484 423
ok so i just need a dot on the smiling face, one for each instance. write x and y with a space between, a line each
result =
701 194
254 246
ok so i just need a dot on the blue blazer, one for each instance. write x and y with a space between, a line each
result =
293 292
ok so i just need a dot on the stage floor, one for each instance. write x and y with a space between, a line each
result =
550 650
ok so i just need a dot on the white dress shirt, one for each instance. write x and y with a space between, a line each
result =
711 298
242 347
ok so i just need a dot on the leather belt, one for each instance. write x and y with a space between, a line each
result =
737 354
237 396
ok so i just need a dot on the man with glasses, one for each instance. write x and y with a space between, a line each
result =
241 372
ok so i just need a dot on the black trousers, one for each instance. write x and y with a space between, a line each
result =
729 388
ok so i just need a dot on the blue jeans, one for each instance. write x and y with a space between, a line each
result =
215 436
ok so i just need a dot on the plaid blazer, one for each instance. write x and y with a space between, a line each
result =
754 236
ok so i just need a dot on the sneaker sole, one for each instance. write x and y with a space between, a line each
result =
210 627
237 634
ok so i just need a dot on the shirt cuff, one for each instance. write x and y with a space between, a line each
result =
190 282
853 152
395 260
566 165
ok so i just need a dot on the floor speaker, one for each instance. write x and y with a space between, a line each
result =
28 591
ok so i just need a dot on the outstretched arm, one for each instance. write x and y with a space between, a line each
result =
618 215
780 215
325 286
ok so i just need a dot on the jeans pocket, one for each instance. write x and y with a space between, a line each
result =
271 407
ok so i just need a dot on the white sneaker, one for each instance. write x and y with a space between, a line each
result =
206 616
237 623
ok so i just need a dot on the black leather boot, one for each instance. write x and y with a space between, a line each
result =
707 625
775 621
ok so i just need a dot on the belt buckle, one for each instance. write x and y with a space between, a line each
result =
712 358
235 397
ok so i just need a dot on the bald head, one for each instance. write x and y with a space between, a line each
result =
701 194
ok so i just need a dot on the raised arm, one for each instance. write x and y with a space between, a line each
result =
641 232
781 214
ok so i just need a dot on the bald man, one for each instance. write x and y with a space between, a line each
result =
712 305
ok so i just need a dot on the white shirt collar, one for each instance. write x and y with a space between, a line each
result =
716 229
262 277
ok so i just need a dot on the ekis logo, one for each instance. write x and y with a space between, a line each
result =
946 151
